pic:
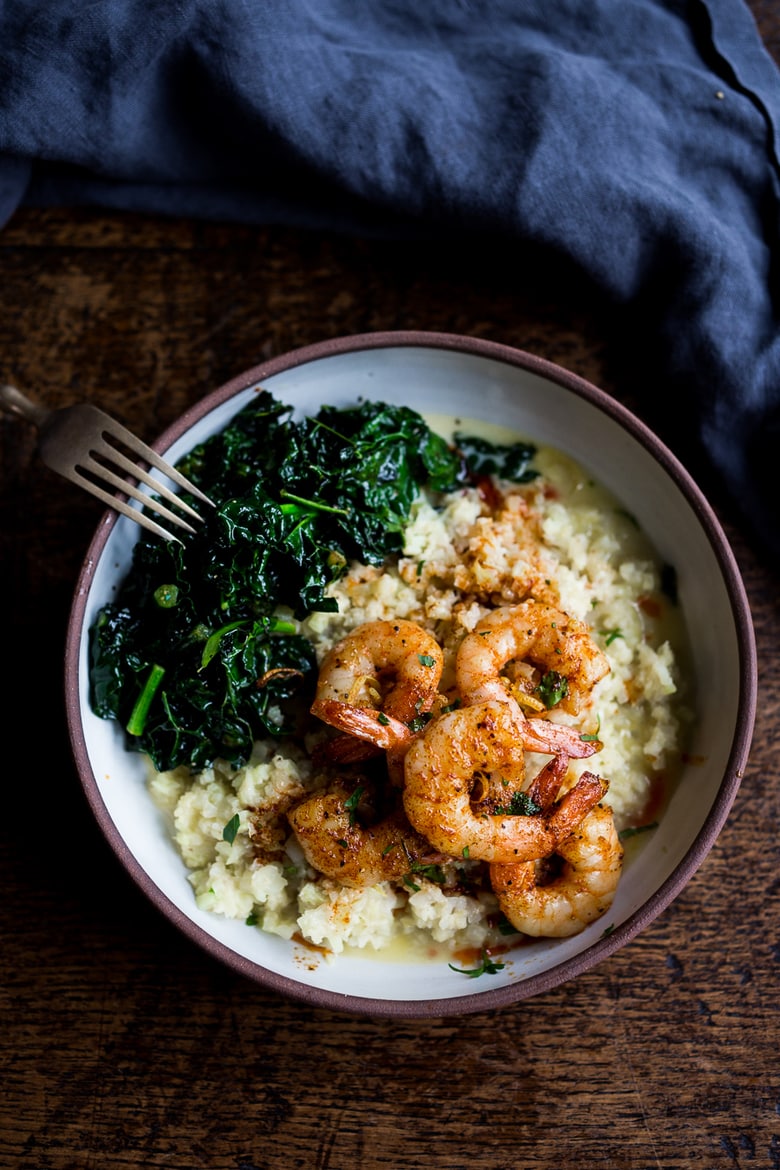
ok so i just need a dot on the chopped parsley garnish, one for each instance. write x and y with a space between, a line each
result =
434 873
594 738
553 688
520 805
352 802
231 829
426 660
609 636
486 967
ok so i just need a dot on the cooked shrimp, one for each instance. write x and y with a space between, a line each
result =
397 663
591 860
532 632
481 743
388 666
336 840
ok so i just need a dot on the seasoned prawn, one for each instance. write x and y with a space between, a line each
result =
531 632
396 663
590 860
482 745
339 842
371 684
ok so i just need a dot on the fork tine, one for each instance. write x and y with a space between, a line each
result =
115 430
101 472
75 475
107 451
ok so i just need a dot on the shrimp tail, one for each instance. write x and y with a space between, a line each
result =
363 723
540 735
547 784
575 805
344 749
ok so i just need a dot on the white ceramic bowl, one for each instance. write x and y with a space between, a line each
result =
476 379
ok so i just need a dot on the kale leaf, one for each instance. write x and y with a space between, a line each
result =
512 462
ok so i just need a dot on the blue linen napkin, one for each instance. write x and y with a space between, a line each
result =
634 141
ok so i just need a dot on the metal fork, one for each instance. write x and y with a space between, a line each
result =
83 443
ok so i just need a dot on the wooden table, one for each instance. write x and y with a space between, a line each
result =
121 1044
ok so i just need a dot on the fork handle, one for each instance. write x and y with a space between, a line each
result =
14 402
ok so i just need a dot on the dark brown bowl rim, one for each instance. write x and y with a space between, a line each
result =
514 992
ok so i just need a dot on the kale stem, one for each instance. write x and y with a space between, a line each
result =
332 430
140 712
212 643
318 507
280 626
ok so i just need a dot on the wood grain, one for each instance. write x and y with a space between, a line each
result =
121 1045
